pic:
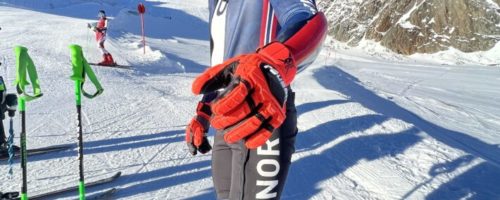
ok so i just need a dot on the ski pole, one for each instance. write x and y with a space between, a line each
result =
81 68
11 142
11 101
25 66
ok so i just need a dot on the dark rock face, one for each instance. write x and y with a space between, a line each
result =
411 26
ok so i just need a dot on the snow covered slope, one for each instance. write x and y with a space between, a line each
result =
370 128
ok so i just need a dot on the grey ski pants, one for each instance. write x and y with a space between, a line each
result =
240 173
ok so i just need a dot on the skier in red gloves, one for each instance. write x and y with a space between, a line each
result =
257 47
100 30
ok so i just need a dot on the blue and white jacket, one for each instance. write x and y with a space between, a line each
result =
241 26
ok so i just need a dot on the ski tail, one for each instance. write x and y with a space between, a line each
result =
37 151
9 195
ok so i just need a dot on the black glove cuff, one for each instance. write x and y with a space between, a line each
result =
204 108
205 146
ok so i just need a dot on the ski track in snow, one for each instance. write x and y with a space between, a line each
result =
369 129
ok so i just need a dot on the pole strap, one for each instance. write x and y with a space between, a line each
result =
82 70
26 67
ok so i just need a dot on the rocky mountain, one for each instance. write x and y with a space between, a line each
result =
416 26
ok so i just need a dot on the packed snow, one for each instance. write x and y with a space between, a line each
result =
373 125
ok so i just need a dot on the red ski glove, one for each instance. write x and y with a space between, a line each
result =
197 128
253 100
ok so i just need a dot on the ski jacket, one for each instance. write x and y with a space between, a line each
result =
2 90
241 26
101 28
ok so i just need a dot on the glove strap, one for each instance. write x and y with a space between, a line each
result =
281 59
204 110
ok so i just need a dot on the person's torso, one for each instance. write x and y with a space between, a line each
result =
241 26
101 23
238 27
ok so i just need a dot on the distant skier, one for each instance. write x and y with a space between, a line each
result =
8 102
100 29
257 47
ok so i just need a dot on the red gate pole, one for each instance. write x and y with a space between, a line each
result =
143 38
141 9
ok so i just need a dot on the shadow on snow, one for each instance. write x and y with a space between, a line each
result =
163 178
133 142
482 181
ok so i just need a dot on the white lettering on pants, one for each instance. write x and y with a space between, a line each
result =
264 194
271 171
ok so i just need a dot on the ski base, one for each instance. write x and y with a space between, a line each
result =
43 150
112 66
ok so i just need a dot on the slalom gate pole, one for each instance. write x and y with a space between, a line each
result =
143 37
25 66
81 69
142 9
